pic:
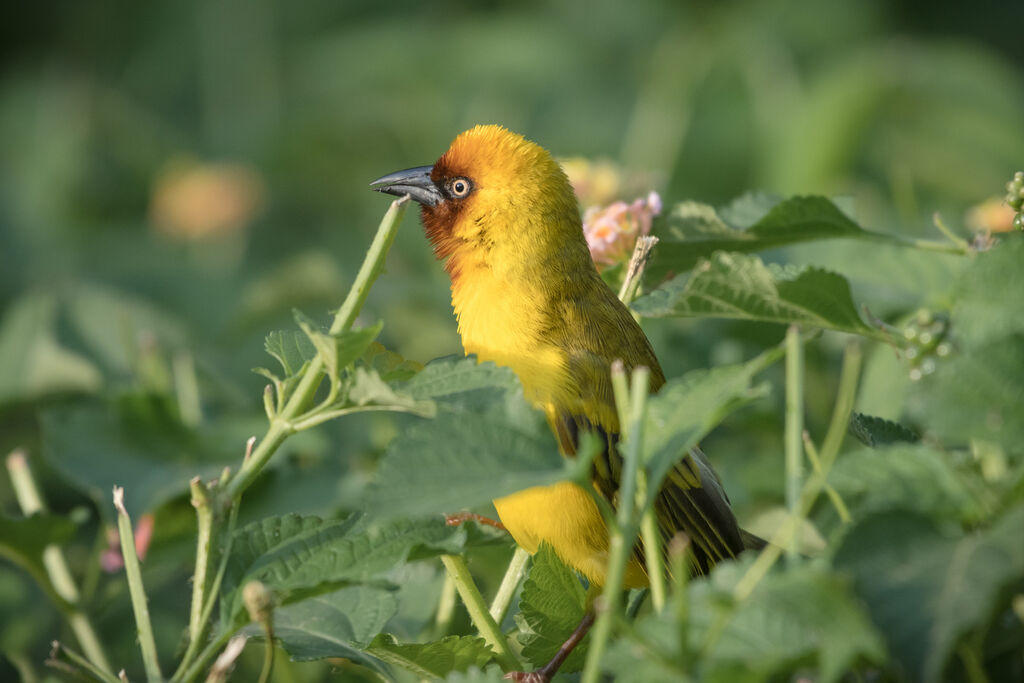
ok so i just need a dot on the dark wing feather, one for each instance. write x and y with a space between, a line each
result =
691 500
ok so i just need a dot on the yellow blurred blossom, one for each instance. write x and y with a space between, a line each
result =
197 200
594 182
992 215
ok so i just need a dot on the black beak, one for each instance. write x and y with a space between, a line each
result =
414 182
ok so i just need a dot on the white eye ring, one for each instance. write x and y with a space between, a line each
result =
460 187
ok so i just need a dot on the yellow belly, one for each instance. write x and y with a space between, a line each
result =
566 518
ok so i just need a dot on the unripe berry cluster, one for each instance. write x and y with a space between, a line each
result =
927 334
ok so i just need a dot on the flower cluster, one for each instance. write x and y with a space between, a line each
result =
611 231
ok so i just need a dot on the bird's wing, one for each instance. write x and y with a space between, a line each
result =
691 499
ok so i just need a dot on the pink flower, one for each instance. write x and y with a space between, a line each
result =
611 231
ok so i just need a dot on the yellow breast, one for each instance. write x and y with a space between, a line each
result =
504 326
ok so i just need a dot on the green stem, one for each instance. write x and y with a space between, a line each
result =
478 613
281 427
652 554
833 495
915 243
187 389
507 589
210 601
445 607
960 242
624 531
811 490
60 579
268 658
678 551
972 663
82 662
204 657
794 428
204 519
135 589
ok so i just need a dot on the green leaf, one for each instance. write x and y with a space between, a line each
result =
491 674
432 660
458 374
803 615
692 231
794 620
975 394
875 431
927 592
732 285
552 604
291 348
32 362
369 389
337 351
137 442
986 306
22 540
687 408
337 624
113 323
389 365
297 557
483 444
911 477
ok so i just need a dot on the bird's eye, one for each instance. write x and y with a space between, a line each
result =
460 187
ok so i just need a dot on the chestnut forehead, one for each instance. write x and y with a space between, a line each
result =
445 168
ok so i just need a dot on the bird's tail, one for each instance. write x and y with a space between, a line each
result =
752 541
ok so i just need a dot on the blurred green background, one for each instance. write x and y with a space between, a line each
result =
176 177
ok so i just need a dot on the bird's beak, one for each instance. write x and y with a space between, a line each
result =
414 182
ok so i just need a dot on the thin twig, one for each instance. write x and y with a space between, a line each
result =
64 589
794 429
478 613
136 590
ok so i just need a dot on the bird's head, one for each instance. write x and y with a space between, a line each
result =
495 194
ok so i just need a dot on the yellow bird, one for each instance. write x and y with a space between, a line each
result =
501 214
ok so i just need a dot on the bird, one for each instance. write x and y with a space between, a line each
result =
502 216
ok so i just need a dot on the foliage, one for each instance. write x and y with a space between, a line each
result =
133 306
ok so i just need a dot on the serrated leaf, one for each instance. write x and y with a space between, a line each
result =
482 444
458 374
298 557
975 394
876 432
368 388
337 624
689 407
389 365
432 660
803 615
732 285
337 351
913 478
794 620
291 348
986 306
692 231
552 604
928 591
